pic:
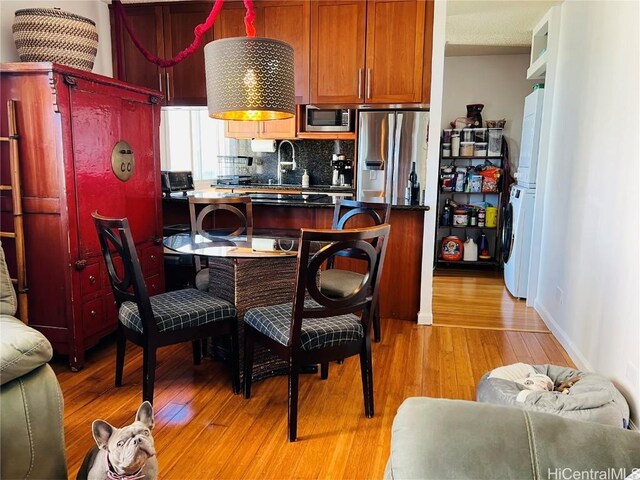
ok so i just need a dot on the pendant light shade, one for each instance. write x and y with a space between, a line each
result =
250 78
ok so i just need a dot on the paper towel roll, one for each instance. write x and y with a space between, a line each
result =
263 145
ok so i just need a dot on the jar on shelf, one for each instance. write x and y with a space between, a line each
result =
460 217
466 149
480 149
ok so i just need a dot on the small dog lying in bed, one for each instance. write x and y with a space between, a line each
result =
125 453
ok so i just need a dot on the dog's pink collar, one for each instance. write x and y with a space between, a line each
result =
113 475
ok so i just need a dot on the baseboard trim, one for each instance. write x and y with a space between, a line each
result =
576 355
425 318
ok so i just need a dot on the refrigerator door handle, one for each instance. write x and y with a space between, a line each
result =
390 166
397 192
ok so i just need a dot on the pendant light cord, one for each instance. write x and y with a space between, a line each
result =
199 32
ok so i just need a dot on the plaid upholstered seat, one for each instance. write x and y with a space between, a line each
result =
275 321
180 309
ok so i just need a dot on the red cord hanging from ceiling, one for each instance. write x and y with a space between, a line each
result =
199 32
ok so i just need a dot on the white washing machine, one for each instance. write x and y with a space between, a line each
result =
516 239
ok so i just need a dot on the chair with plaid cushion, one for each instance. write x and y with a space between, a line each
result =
338 282
234 218
317 328
160 320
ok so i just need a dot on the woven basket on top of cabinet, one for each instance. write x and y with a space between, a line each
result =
53 35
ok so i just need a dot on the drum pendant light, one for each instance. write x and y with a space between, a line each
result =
250 78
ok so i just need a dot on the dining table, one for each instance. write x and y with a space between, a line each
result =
249 271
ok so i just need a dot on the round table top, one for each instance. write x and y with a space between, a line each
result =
271 243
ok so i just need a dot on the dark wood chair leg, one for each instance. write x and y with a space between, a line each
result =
235 357
196 346
324 370
377 335
366 371
248 362
293 398
148 372
121 345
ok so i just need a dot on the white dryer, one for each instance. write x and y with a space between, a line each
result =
516 239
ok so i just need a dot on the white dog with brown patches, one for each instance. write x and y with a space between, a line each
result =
122 453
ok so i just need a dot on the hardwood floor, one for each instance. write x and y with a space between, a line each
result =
204 431
480 300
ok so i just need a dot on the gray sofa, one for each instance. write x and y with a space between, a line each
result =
31 422
456 439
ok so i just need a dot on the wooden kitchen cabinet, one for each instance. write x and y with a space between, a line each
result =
395 51
165 31
272 129
69 123
338 51
368 52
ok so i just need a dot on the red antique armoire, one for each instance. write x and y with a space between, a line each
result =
69 122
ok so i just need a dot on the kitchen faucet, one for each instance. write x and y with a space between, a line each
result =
281 164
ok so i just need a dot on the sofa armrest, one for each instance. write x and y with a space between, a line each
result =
22 349
456 439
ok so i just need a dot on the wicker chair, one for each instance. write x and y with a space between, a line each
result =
160 320
337 282
316 328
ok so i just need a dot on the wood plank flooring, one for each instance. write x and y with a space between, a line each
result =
204 431
480 300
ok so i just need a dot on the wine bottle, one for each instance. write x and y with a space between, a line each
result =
447 214
414 185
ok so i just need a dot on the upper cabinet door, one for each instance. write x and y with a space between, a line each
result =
338 51
186 83
288 20
146 22
230 21
395 51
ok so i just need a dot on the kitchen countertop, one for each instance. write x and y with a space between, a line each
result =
286 186
317 199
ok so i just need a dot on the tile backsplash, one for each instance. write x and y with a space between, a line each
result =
312 155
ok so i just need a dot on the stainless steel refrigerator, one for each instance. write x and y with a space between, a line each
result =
388 142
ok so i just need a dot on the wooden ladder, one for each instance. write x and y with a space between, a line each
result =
16 196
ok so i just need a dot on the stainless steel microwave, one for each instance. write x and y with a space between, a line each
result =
320 119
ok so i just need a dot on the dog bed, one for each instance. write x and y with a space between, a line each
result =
593 398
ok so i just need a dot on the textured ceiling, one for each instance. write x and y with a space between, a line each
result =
499 23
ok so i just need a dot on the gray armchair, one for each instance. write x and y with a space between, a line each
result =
455 439
31 406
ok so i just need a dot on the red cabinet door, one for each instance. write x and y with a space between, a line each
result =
102 116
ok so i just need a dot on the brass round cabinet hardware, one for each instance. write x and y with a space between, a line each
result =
122 161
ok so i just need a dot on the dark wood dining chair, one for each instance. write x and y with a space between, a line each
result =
202 214
338 282
163 319
316 328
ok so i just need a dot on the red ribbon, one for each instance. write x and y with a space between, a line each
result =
199 32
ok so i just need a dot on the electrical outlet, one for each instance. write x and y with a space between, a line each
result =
559 296
632 374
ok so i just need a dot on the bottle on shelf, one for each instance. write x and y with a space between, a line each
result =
483 247
413 187
446 219
473 217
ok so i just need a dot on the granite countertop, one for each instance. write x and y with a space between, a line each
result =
311 200
266 186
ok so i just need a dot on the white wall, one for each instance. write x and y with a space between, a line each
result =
589 283
425 315
95 10
497 81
